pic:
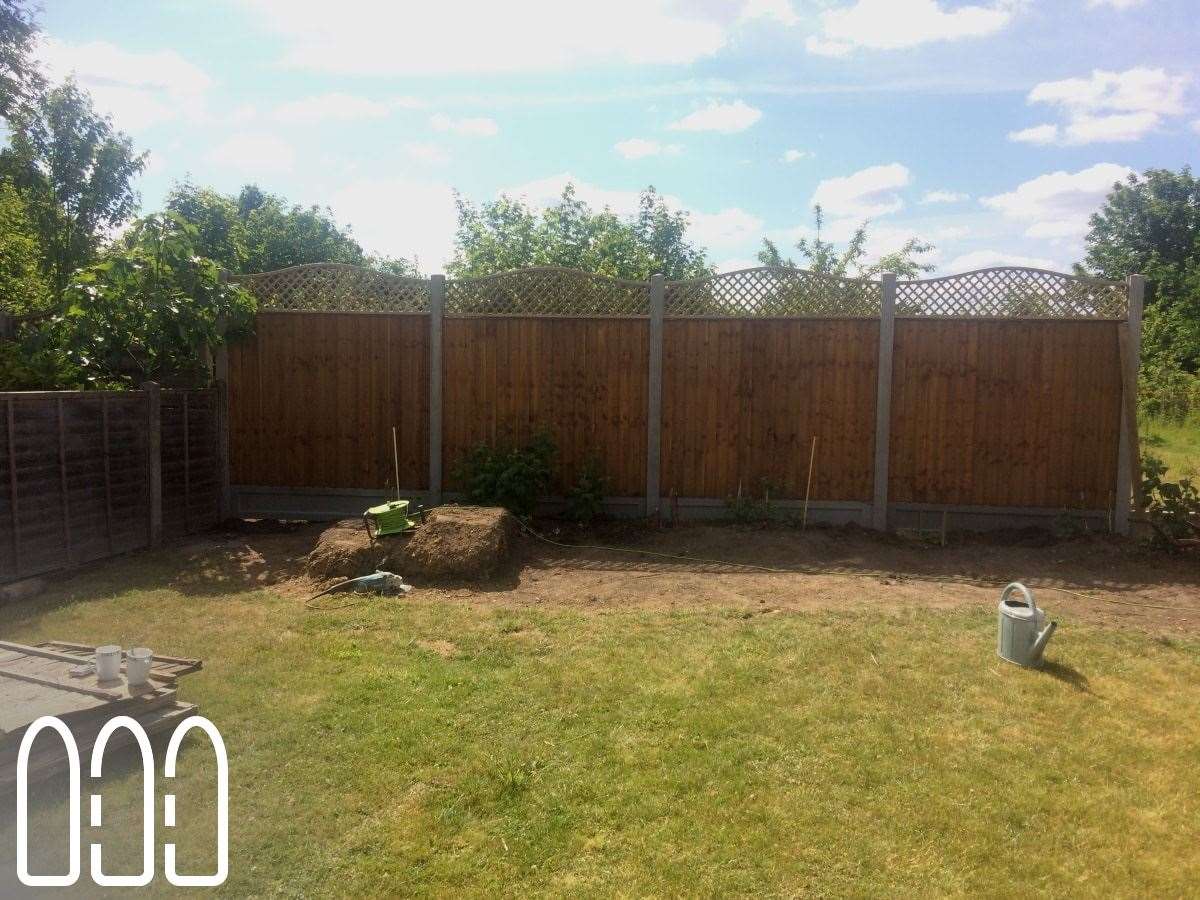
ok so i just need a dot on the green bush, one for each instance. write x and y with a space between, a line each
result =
512 477
1167 392
1172 507
585 500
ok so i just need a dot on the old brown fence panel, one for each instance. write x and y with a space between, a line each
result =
991 393
743 400
76 479
584 380
1005 413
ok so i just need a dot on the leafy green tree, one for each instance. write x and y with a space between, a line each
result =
824 258
509 234
1150 224
150 307
74 173
20 80
23 288
260 232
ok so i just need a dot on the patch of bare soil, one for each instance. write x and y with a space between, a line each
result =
344 550
765 569
754 569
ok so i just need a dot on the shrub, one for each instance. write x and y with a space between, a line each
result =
585 500
510 477
1172 507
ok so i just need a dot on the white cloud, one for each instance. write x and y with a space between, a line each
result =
737 264
893 24
1115 4
944 197
138 90
366 37
1107 106
727 229
1196 126
426 152
1038 134
777 10
254 154
865 194
791 156
1058 205
425 230
339 107
481 126
638 148
987 259
727 118
950 233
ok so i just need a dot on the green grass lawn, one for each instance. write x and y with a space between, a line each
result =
1176 444
450 744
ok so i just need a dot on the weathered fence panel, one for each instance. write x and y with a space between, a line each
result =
743 400
76 480
585 380
1005 413
314 397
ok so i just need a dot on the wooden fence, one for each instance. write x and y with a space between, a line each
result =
85 475
993 393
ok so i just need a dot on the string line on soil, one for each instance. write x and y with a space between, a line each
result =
830 572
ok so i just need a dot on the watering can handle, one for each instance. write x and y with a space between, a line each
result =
1025 592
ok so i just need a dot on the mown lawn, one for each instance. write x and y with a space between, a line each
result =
452 744
1177 444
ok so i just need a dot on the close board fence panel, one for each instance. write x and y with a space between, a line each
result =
743 400
1005 413
583 380
314 397
986 393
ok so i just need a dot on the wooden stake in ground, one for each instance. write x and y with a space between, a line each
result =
812 458
396 460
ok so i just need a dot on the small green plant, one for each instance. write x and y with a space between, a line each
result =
1172 507
754 506
585 500
512 477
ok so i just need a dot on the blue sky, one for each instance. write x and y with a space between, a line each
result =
990 128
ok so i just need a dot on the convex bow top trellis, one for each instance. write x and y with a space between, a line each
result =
1009 292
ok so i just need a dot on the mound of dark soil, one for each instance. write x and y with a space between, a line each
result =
344 551
465 543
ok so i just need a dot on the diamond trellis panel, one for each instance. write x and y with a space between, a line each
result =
1017 293
768 292
337 287
547 292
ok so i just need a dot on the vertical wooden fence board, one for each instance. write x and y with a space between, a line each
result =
1004 413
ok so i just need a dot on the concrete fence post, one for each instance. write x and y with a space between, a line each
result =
1126 449
883 401
658 295
437 310
154 461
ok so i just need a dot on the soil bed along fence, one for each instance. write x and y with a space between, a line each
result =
995 396
90 474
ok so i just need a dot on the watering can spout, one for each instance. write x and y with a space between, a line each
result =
1039 644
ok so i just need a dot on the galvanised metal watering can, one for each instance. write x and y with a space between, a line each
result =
1023 633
